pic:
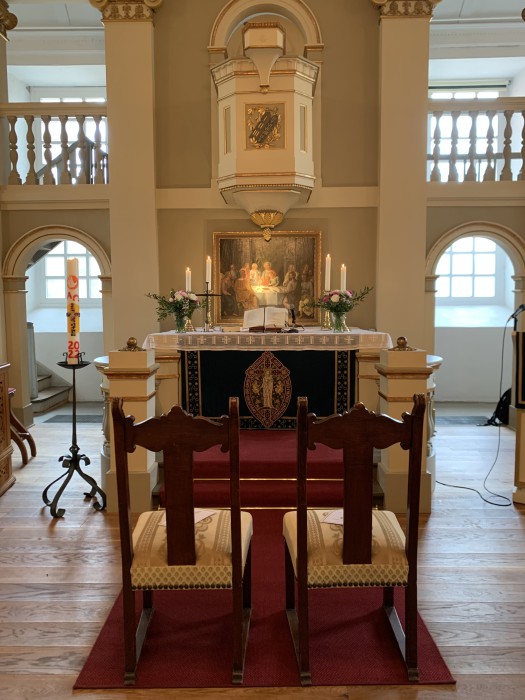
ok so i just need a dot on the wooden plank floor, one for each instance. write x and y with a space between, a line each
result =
59 578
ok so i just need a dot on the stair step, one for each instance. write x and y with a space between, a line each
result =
50 398
43 381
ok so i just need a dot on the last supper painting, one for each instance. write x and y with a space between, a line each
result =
280 269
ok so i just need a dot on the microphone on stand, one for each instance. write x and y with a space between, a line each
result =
518 311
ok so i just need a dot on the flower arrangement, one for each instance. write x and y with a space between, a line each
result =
342 300
180 303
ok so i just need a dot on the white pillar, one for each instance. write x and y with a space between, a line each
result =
8 21
129 41
17 346
401 237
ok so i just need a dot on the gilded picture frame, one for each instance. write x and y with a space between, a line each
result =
250 272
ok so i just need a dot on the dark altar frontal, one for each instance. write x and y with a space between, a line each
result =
268 384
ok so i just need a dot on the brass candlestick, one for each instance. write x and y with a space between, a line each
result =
327 316
208 294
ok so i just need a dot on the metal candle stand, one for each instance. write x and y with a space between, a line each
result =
72 461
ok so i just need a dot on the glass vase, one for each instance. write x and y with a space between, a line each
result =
339 322
180 322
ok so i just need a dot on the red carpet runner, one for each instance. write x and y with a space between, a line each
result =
189 642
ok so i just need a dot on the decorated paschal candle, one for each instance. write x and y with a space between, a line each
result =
73 312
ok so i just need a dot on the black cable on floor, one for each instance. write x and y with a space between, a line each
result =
506 501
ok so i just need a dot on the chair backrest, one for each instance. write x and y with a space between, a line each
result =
357 432
178 435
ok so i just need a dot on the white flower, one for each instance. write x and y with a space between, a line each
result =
178 296
335 298
193 296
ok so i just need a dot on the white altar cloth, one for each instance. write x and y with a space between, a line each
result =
312 338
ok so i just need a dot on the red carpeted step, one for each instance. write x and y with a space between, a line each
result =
268 454
268 470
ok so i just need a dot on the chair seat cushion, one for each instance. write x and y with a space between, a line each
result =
389 566
213 567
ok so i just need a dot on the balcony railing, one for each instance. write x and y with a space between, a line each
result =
80 160
476 140
469 140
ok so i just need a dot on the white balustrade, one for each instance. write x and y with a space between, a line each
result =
476 140
59 143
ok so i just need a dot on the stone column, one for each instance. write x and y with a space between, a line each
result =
8 21
129 41
402 213
131 376
17 346
403 372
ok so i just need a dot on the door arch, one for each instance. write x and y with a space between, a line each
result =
513 246
14 278
508 239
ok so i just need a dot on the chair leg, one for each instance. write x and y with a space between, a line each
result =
242 611
406 638
15 437
130 644
411 659
298 620
135 635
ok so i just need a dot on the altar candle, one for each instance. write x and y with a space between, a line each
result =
73 312
327 268
188 279
343 276
208 270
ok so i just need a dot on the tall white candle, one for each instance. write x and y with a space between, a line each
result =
73 311
188 279
343 276
327 270
208 270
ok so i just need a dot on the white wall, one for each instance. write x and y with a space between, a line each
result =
472 364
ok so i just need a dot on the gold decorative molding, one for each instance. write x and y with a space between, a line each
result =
267 219
127 10
405 8
8 20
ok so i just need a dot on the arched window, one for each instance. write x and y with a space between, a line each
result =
474 285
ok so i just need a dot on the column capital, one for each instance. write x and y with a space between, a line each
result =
8 20
405 8
127 10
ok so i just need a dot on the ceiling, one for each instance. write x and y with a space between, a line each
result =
470 39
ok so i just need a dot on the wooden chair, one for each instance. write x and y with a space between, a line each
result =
19 433
157 557
371 548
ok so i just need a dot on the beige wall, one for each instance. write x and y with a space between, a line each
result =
349 91
443 219
17 223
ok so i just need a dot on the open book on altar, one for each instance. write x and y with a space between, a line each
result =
265 318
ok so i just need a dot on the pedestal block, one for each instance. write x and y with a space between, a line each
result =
131 376
403 371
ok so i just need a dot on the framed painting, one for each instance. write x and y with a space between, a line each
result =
251 272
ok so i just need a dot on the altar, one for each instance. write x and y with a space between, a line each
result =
268 371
